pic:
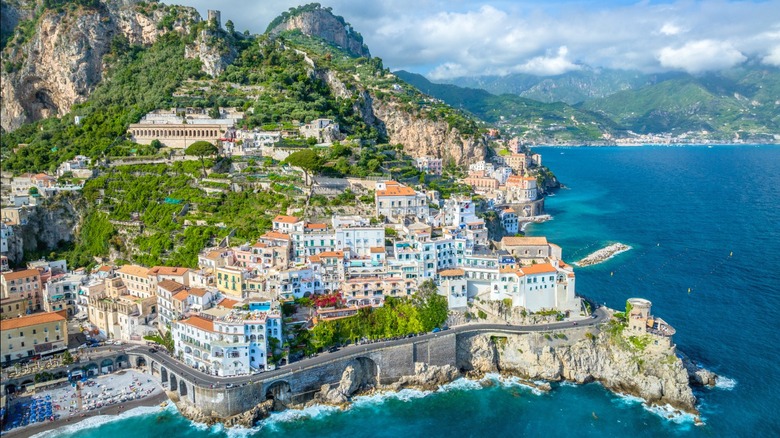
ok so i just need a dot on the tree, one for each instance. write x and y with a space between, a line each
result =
67 358
432 307
307 159
230 27
33 191
156 144
201 149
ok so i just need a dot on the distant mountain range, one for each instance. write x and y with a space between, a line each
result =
737 104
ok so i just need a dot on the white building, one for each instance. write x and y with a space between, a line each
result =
234 344
508 218
395 201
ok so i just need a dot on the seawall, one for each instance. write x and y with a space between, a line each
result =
579 354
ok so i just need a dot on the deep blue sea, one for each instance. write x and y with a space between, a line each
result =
698 218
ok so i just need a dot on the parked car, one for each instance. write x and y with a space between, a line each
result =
436 330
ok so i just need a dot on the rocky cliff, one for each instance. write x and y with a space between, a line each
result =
656 375
60 63
422 136
214 49
313 20
47 227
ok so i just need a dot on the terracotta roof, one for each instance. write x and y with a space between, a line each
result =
213 255
170 285
168 270
181 295
394 188
523 241
26 321
135 270
198 291
317 226
286 219
509 210
511 270
541 268
198 322
332 254
104 268
514 179
260 245
377 249
227 302
20 274
451 272
275 235
314 258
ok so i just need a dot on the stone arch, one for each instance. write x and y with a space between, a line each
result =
107 364
122 361
279 391
10 388
91 369
140 361
163 374
26 383
182 388
174 383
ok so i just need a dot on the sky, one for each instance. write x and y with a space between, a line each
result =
445 39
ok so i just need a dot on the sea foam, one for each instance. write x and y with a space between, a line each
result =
97 421
725 383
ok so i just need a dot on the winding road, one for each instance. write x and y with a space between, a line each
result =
202 379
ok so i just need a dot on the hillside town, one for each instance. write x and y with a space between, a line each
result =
225 315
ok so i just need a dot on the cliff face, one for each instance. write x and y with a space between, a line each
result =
47 226
322 23
422 136
63 60
657 376
214 51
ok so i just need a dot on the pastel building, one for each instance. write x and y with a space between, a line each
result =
32 335
395 201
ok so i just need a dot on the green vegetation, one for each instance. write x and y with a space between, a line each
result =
141 80
398 317
166 340
201 149
639 343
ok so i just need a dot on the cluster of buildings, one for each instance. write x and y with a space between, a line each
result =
178 128
506 183
408 243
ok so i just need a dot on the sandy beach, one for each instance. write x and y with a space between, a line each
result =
103 396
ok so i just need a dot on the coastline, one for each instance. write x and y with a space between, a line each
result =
605 145
35 429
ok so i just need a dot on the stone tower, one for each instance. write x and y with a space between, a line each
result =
216 18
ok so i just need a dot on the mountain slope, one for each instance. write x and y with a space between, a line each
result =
56 57
532 120
736 104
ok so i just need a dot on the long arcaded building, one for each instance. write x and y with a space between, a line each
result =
175 135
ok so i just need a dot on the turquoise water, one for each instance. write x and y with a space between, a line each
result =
684 210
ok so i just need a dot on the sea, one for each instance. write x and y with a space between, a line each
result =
704 227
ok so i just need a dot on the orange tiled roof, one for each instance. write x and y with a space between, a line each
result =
377 249
20 274
332 254
227 302
286 219
198 322
316 226
134 270
198 291
451 272
181 295
394 188
168 270
275 235
523 241
170 285
26 321
541 268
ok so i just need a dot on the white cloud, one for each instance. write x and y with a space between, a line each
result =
547 65
670 29
703 55
473 37
773 58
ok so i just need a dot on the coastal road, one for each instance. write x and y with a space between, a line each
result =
203 379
